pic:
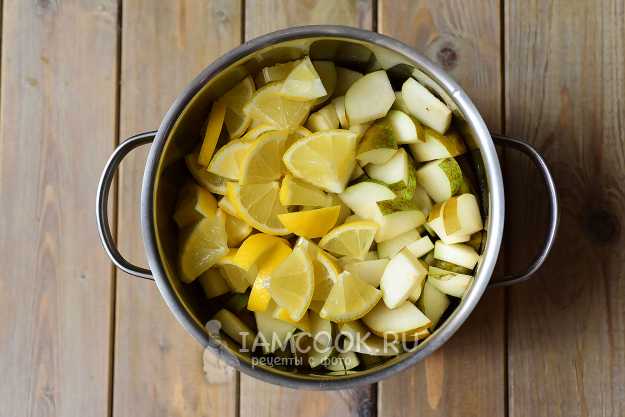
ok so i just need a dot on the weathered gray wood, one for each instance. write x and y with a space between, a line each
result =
467 375
564 93
158 365
57 128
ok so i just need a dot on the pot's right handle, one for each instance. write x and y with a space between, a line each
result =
102 203
554 216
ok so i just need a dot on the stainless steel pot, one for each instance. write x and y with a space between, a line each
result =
179 132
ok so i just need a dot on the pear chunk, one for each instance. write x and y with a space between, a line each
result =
424 105
402 275
369 98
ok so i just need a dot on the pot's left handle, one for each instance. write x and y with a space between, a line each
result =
102 203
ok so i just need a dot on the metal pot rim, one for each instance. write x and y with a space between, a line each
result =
494 224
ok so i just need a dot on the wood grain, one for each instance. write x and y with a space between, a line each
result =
258 398
467 375
57 129
565 80
158 366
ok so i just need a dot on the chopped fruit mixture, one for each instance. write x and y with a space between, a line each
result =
331 212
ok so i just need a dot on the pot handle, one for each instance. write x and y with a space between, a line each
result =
104 186
554 215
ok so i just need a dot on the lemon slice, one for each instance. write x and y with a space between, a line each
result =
263 161
253 134
259 296
258 205
297 134
194 203
260 249
351 239
325 159
349 299
227 206
268 106
236 229
237 278
213 183
292 283
201 246
295 192
235 118
213 130
281 313
303 82
227 160
311 223
276 72
326 275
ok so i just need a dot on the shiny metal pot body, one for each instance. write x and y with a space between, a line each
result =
180 132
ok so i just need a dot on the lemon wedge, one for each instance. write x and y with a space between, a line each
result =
303 82
263 160
349 299
213 130
325 159
253 134
201 246
227 160
326 275
297 134
213 183
236 229
292 283
235 118
281 313
295 192
259 249
259 296
258 205
350 239
268 106
194 203
311 223
237 278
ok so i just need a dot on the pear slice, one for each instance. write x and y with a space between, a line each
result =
344 361
419 247
369 98
423 105
396 223
235 328
449 282
339 106
459 254
435 223
400 103
369 271
344 79
273 333
323 119
360 340
213 283
402 320
437 146
401 276
389 248
397 169
357 173
361 197
378 144
461 215
433 303
440 178
476 240
448 266
407 129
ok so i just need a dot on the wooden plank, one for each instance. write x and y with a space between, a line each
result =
58 109
565 79
158 366
258 398
468 373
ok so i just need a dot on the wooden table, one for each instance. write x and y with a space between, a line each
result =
78 338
